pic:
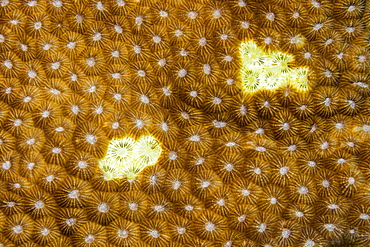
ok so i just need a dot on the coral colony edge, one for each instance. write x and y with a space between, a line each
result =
184 123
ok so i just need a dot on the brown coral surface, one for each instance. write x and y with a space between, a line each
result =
269 168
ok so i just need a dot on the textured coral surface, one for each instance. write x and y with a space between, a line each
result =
269 168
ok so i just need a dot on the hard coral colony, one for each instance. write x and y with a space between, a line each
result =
184 123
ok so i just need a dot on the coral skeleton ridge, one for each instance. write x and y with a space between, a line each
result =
184 123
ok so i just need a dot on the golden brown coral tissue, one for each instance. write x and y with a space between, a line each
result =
269 168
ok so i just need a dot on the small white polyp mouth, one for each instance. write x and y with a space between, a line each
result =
330 227
74 194
90 239
71 221
90 61
18 229
154 234
210 226
103 208
195 138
